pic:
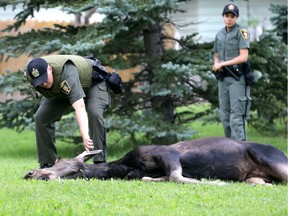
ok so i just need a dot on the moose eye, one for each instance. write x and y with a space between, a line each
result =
30 173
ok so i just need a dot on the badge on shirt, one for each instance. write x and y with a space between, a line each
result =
244 33
65 88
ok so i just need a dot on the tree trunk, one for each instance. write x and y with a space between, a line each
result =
154 49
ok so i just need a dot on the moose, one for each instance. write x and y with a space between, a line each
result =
212 158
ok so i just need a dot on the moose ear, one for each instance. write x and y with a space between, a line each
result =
86 155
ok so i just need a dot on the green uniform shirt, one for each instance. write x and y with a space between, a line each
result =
70 81
228 44
71 75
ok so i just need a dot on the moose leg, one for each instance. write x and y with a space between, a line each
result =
170 163
255 180
176 176
160 179
270 160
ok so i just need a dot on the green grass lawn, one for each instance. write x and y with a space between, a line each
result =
116 197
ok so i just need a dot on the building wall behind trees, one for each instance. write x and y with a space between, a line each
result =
207 16
15 64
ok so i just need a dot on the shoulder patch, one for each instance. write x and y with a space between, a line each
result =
244 33
65 88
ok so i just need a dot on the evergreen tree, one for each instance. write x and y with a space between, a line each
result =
280 21
131 36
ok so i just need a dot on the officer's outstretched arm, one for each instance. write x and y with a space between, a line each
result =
82 119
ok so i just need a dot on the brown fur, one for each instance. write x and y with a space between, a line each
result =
182 162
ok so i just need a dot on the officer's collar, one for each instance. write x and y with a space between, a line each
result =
230 29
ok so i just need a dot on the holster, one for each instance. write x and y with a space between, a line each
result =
247 71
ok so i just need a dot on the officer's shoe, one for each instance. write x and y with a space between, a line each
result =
45 165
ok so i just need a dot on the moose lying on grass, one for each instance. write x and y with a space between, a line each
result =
183 162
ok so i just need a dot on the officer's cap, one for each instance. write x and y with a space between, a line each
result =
232 9
37 70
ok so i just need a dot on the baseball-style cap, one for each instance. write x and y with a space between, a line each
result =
37 70
232 9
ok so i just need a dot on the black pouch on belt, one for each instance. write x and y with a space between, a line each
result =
115 83
100 73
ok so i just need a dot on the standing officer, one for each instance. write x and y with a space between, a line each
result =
64 81
231 49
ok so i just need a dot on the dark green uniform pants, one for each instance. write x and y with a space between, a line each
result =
97 101
235 102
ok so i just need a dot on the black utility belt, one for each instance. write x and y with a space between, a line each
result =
234 71
227 74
